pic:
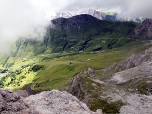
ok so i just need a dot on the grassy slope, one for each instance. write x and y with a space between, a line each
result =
56 71
85 32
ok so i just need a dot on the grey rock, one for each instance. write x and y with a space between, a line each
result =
11 102
9 95
56 102
25 93
22 93
144 30
132 61
136 66
137 104
140 71
79 87
46 102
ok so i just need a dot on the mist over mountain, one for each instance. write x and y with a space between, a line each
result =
75 35
29 18
99 14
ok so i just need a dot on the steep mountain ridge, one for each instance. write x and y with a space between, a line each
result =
133 61
82 31
99 14
143 30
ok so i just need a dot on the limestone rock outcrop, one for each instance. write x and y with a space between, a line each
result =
56 102
46 102
11 102
133 61
78 85
87 88
140 71
137 104
136 66
144 30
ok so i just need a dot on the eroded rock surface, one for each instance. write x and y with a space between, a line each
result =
140 71
136 66
56 102
25 93
144 30
11 102
132 61
80 84
95 93
137 104
46 102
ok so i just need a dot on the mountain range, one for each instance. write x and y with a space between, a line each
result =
99 14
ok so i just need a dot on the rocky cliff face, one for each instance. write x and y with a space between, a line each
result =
95 93
133 61
11 102
136 66
46 102
140 71
136 77
78 85
143 30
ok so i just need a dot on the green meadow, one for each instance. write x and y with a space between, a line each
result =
50 71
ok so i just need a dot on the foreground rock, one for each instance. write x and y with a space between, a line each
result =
137 104
11 102
56 102
46 102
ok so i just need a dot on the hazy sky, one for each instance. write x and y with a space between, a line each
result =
27 18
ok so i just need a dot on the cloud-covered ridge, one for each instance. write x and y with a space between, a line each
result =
29 18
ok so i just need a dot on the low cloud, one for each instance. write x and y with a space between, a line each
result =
22 19
126 8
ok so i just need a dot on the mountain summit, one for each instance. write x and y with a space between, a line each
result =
99 14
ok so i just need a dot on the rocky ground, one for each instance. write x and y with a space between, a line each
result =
127 88
46 102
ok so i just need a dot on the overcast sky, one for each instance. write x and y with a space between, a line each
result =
27 18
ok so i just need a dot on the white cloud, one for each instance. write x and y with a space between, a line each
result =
128 8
